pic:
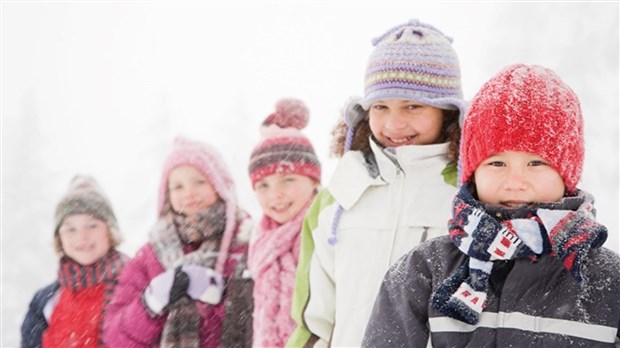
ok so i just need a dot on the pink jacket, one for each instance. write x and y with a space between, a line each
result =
128 323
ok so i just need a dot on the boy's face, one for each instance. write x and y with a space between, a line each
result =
396 122
514 179
190 191
84 238
282 196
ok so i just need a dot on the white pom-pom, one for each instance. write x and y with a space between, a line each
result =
290 113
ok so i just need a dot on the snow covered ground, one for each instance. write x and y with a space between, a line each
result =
103 87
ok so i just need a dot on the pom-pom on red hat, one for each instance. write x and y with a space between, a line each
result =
283 149
528 109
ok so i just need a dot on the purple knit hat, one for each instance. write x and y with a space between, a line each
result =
414 61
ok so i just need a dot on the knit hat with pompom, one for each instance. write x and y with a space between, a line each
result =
85 196
527 109
283 149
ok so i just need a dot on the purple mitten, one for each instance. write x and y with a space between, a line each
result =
157 294
205 284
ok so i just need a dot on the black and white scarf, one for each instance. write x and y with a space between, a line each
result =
566 229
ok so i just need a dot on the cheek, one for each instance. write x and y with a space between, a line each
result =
375 124
261 197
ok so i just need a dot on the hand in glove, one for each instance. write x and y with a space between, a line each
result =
165 289
205 284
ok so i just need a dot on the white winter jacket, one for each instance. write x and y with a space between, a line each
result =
383 218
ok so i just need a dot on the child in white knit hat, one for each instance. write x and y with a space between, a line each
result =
523 264
285 174
391 189
70 311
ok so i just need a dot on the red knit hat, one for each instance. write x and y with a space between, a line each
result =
529 109
283 148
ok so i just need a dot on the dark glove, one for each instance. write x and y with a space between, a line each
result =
179 285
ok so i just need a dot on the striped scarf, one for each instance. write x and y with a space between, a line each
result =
167 238
75 276
566 229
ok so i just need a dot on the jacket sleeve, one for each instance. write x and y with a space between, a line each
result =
127 323
313 299
35 323
400 314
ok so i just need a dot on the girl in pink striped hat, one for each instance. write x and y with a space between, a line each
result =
285 174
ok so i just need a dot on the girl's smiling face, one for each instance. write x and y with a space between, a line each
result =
84 238
282 196
190 191
514 179
396 122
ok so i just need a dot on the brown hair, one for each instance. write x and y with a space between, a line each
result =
450 131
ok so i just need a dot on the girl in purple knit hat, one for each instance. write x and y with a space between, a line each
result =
285 174
188 286
391 189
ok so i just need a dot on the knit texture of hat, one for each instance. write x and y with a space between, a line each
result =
207 161
526 109
84 196
414 61
283 149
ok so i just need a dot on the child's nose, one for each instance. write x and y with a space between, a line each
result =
276 193
395 120
515 180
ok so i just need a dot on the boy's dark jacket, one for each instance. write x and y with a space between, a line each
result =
540 296
35 323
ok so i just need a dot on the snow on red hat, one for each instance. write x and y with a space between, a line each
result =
283 149
527 109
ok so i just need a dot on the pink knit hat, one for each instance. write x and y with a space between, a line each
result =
283 149
206 160
530 109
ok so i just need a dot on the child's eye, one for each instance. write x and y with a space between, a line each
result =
538 163
379 107
496 164
67 229
260 186
93 226
289 179
413 106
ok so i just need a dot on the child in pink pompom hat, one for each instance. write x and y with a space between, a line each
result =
285 174
189 285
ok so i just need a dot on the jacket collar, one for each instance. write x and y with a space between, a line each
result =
351 178
406 159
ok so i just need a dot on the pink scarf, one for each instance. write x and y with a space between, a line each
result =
273 261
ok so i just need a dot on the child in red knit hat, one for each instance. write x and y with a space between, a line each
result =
285 174
524 263
70 312
189 285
